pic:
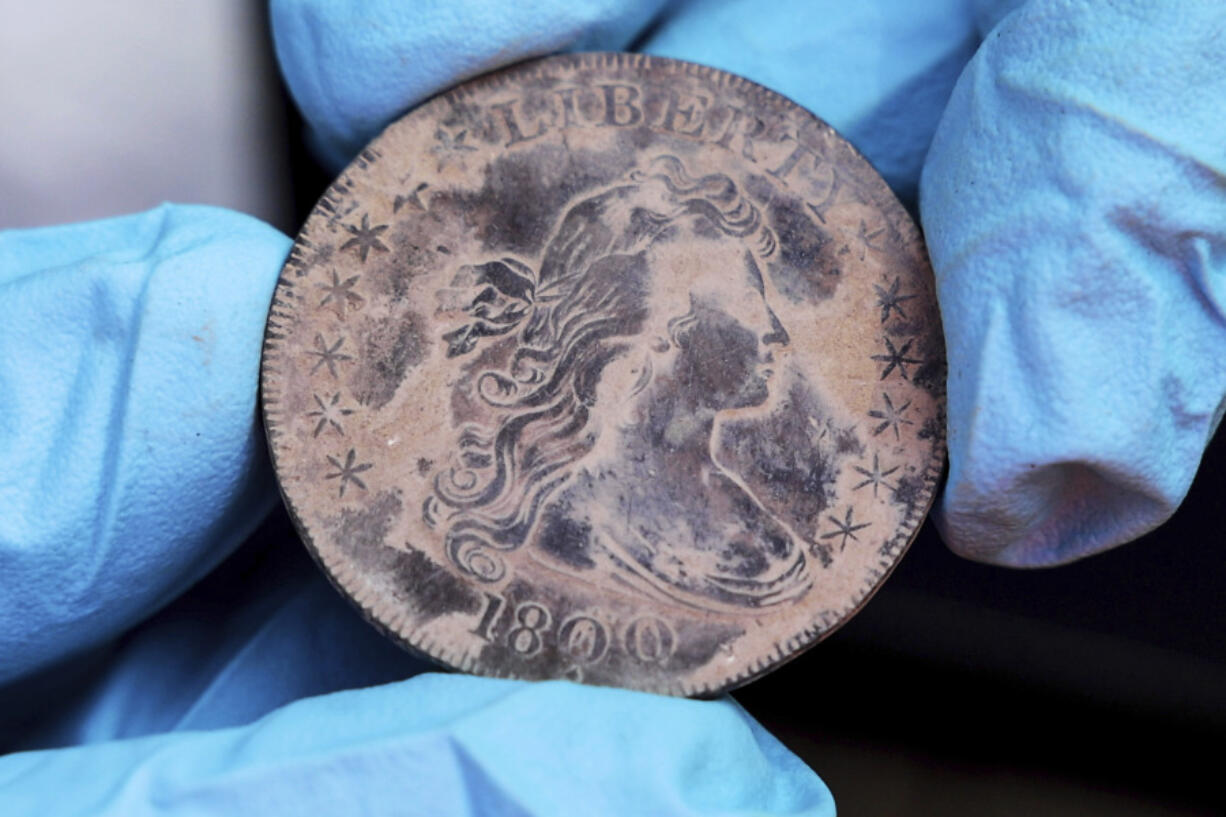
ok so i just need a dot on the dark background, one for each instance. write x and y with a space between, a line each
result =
1097 687
1094 688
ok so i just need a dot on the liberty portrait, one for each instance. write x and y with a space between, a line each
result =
596 383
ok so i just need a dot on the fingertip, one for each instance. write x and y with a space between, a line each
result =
449 742
1069 216
130 360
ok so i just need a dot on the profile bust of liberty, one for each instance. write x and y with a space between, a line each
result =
607 366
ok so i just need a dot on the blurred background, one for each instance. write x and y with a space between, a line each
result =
1095 688
115 107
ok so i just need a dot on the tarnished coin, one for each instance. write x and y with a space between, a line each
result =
611 368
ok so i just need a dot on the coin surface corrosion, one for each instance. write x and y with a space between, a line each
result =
611 368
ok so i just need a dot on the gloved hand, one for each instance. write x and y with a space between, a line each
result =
1072 207
1075 210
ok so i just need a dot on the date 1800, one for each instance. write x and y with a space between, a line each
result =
529 627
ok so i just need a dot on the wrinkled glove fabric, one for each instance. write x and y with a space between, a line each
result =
1074 205
133 463
438 746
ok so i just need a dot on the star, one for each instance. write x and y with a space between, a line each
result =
348 472
889 300
897 358
329 414
328 355
340 294
867 238
847 529
450 148
334 215
413 198
365 238
875 477
890 416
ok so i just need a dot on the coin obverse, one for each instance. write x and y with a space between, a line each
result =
611 368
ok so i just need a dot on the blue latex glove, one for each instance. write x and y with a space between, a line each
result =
130 350
1074 202
437 746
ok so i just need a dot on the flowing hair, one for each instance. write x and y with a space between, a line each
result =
570 320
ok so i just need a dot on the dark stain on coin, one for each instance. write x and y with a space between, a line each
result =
806 270
420 582
908 491
361 530
787 449
410 576
523 193
699 642
933 428
410 242
390 346
565 538
609 368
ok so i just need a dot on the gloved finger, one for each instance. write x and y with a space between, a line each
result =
438 745
1075 212
878 71
262 630
353 66
129 356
